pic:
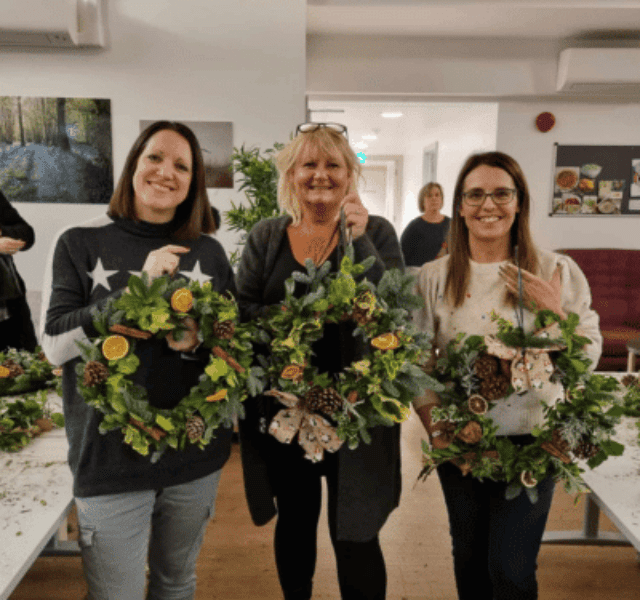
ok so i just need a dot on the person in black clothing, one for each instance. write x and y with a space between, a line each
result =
16 327
318 172
131 510
425 238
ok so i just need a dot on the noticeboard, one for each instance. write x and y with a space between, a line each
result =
593 181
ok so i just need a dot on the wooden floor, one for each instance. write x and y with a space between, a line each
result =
236 562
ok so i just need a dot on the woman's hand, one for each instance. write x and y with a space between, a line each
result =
356 215
537 293
163 261
189 340
10 245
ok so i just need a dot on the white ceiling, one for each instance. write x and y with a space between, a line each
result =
558 21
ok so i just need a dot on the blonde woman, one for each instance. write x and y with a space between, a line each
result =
318 175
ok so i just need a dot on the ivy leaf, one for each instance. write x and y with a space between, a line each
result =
216 369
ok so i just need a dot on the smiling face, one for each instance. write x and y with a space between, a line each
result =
319 182
162 177
489 223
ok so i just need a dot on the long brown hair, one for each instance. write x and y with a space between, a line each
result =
459 271
193 216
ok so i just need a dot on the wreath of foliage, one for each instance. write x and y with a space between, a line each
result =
22 371
227 379
25 417
375 390
584 418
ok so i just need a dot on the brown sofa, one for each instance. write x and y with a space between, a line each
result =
614 278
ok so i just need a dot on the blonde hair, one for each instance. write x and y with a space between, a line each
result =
426 190
326 140
458 270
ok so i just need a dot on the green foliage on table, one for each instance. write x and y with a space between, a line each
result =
259 181
19 416
38 372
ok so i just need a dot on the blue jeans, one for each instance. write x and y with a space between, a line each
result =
119 533
495 541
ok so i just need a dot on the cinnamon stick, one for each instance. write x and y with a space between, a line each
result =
130 331
156 433
220 353
553 450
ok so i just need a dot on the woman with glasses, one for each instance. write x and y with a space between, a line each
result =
318 175
424 238
496 541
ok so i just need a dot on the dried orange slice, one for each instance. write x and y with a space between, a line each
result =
386 341
220 395
115 347
182 300
4 372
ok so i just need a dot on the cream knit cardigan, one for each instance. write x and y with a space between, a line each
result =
516 414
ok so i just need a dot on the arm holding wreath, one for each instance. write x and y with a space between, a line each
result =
380 240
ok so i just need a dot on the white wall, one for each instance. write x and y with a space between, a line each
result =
460 130
588 124
199 60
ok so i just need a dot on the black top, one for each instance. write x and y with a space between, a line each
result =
90 264
369 476
421 241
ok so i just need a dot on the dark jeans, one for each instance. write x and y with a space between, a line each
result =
495 541
297 485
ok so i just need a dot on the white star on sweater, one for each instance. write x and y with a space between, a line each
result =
196 274
100 276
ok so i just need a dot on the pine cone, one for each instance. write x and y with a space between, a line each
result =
361 316
629 380
224 330
95 373
42 357
195 427
14 368
585 450
323 400
486 366
494 387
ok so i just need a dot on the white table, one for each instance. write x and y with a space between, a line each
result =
35 498
614 488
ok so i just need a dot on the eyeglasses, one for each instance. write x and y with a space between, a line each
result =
477 196
308 127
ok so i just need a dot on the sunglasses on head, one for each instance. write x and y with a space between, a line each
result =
308 127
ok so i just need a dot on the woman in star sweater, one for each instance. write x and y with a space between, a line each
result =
495 540
129 509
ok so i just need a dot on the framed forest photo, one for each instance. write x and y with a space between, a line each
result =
56 150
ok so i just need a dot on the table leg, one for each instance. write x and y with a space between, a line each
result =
631 362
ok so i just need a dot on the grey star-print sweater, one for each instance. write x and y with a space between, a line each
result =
89 264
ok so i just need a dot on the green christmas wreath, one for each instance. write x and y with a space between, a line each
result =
22 371
576 427
376 390
152 310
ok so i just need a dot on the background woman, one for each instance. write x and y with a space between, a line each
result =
423 238
16 327
318 174
496 541
130 510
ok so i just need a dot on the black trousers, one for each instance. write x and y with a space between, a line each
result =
495 541
297 485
